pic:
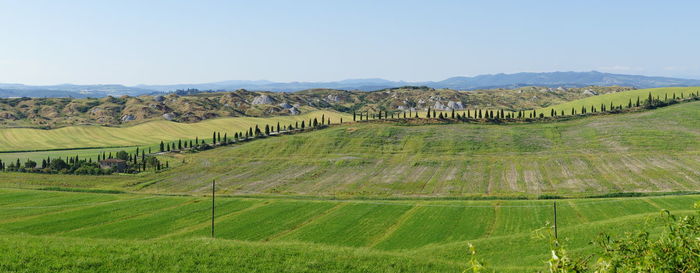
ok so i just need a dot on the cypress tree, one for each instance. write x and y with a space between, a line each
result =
315 122
267 130
323 117
453 113
213 138
179 145
637 105
218 137
428 116
162 146
354 116
302 124
225 138
278 127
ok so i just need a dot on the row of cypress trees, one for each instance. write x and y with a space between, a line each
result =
499 115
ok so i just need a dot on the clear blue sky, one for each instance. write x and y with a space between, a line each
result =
162 42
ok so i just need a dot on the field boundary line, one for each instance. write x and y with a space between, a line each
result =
74 205
654 204
71 209
207 222
306 222
493 225
576 210
126 218
393 228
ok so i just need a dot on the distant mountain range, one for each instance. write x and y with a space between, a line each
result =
548 79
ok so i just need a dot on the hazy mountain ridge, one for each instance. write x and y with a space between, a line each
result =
548 79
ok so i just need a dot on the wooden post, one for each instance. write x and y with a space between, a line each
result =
555 220
213 189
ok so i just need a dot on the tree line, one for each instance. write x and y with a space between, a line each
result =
501 115
106 163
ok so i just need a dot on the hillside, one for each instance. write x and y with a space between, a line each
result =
649 151
150 233
126 110
144 134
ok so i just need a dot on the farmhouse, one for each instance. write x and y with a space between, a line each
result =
113 163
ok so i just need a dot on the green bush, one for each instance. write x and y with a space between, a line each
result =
676 248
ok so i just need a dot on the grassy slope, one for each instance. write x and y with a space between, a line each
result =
621 98
648 151
273 235
23 139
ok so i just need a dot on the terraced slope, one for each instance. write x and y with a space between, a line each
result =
149 133
650 151
297 235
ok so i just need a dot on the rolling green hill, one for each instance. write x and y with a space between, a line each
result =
275 234
621 98
149 133
652 151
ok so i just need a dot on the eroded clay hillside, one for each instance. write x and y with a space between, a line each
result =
125 110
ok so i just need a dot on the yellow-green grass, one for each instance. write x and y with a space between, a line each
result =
619 99
149 133
301 235
652 151
81 153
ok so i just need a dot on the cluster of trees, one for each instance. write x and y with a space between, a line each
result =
125 163
68 165
502 115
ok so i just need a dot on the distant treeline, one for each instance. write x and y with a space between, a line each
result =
500 115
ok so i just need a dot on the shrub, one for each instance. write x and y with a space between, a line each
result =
675 249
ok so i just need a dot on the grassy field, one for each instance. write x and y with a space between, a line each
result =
343 199
653 151
59 230
621 98
150 133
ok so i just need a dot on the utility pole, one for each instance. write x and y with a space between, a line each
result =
555 220
213 189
